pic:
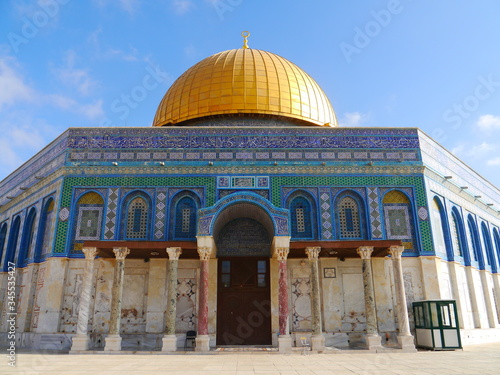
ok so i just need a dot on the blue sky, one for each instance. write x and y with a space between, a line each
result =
405 63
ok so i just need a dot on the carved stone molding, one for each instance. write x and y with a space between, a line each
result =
204 253
121 253
174 253
313 252
282 253
90 252
396 251
365 252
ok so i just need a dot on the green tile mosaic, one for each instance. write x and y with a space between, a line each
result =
417 182
70 182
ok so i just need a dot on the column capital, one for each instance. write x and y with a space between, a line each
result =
396 251
204 253
121 252
313 252
174 253
281 253
90 252
365 252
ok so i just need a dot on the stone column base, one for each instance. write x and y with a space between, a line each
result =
80 342
113 343
318 343
407 343
373 342
169 343
285 344
202 343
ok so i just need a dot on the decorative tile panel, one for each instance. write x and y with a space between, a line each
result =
110 225
374 210
161 205
326 217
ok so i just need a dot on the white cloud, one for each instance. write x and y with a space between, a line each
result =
73 76
183 6
488 122
92 111
13 87
494 161
473 151
353 119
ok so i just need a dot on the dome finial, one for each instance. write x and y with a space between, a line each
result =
245 35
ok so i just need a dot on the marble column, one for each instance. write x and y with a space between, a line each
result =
405 338
317 339
202 339
284 339
114 340
81 340
170 339
373 340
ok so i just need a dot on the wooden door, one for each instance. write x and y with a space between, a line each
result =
243 302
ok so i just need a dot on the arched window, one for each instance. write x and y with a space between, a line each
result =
488 246
137 222
456 235
184 210
399 224
350 216
12 244
90 207
474 244
302 217
3 237
496 237
45 230
27 241
438 226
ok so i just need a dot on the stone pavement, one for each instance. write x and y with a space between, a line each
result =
474 360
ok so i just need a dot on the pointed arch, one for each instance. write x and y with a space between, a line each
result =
136 217
12 244
350 216
496 239
3 238
440 228
184 215
457 233
90 207
398 218
45 229
474 243
488 248
302 215
27 240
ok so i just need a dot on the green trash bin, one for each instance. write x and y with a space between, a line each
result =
436 325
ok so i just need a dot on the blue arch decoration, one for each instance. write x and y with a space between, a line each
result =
12 244
496 238
208 216
27 238
488 248
462 234
184 199
3 237
476 243
125 206
42 229
445 228
363 230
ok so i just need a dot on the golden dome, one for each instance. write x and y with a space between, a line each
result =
245 81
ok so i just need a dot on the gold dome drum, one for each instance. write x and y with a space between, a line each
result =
245 81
